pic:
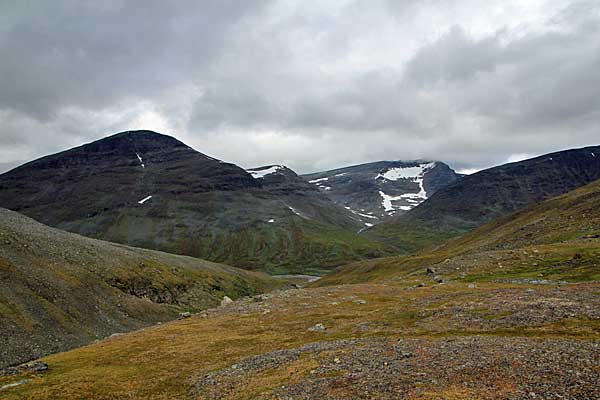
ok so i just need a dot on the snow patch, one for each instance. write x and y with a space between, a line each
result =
271 221
318 180
386 203
361 214
141 161
367 216
294 211
593 155
261 173
145 199
298 213
412 173
368 224
387 200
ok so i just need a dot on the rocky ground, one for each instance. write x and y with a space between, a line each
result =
390 368
438 341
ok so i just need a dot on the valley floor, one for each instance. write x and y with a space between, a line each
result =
371 341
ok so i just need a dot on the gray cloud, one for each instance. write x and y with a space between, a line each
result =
310 84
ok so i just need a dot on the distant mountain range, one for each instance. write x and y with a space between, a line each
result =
150 190
375 191
479 198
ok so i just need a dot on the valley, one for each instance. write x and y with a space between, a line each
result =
509 310
300 200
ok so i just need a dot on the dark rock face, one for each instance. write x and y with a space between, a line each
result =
149 190
382 189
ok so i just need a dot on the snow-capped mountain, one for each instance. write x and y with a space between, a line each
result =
382 189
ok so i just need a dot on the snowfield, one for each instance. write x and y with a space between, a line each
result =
412 173
261 173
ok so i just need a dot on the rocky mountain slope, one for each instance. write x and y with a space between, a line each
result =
59 290
479 198
149 190
556 240
382 189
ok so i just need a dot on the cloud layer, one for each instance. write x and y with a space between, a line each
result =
311 84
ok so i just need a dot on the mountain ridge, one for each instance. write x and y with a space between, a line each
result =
150 190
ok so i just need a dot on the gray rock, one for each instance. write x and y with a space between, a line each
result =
11 385
36 366
317 328
226 300
185 315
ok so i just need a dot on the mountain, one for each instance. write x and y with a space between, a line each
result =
298 195
376 191
150 190
479 198
555 240
59 290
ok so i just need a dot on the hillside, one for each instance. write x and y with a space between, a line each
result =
376 191
486 195
149 190
59 290
558 239
508 311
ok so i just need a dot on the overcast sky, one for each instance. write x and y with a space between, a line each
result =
310 84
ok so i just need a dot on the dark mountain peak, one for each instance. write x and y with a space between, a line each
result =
141 140
124 148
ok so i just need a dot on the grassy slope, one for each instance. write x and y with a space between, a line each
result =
552 239
291 245
59 290
411 238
